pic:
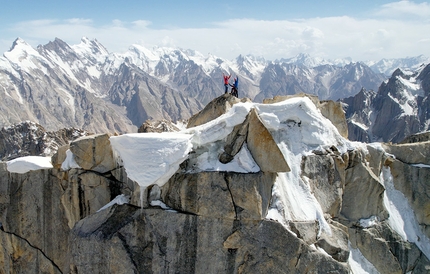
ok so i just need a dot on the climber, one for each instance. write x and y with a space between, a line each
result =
235 87
226 83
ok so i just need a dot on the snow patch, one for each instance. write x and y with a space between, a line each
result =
358 263
69 162
421 165
151 158
119 200
373 220
27 163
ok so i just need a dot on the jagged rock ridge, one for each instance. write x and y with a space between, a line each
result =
31 139
399 109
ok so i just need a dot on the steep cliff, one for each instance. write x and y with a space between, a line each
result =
261 188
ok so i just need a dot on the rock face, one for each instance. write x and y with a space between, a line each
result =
54 220
229 195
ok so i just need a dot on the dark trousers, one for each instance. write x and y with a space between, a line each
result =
234 91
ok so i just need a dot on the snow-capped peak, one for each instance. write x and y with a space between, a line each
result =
305 60
90 49
19 43
22 55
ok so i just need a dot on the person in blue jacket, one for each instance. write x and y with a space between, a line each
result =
235 86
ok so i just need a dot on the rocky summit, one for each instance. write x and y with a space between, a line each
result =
274 187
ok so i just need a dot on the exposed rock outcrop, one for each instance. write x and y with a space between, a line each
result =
214 109
157 126
94 153
260 143
63 221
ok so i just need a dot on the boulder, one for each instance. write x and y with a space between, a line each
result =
157 126
234 142
334 112
376 250
335 243
326 177
260 143
203 194
263 147
386 250
375 158
93 153
58 158
251 194
305 230
406 253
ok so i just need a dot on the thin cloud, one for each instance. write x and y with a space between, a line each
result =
404 9
371 38
79 21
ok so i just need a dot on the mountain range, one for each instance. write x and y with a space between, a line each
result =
400 108
85 86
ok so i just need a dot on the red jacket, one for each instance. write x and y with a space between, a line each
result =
226 79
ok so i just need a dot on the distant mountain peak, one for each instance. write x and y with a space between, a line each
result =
19 42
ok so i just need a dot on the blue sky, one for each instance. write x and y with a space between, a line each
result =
362 30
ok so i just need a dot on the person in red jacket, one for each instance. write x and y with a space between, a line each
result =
226 78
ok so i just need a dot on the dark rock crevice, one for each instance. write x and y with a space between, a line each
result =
34 247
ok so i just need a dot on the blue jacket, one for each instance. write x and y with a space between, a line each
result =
236 82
